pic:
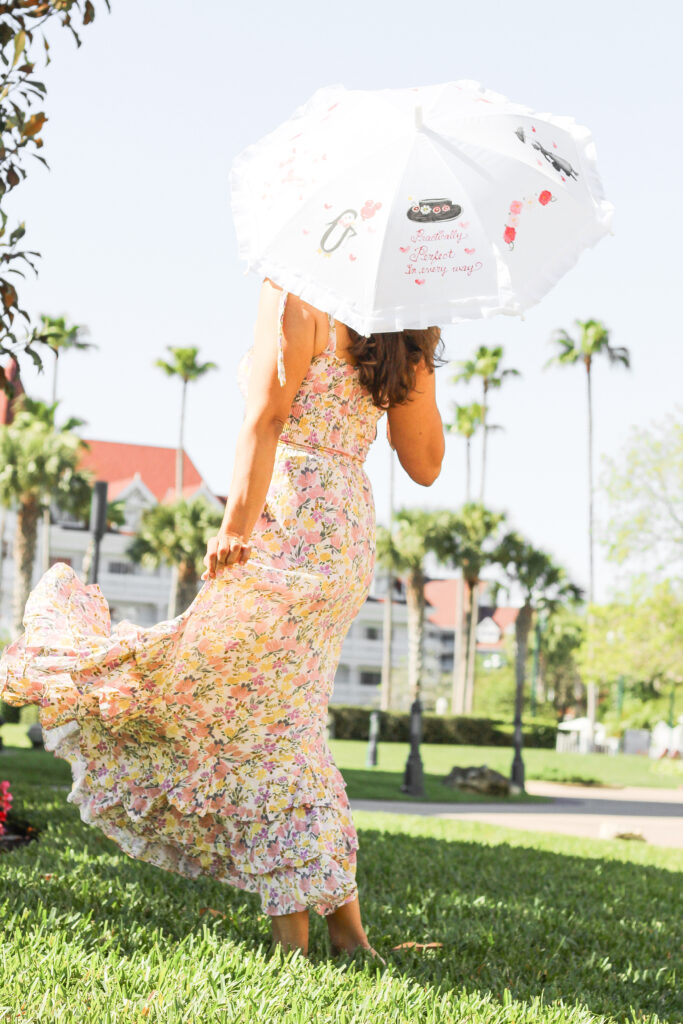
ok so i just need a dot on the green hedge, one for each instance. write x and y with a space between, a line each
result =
353 723
9 713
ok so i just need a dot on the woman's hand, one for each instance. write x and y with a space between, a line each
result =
224 549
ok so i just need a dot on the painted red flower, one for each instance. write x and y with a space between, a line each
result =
515 207
509 235
545 197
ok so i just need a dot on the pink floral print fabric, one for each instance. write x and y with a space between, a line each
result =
199 744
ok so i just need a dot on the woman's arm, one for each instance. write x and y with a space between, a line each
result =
415 430
268 406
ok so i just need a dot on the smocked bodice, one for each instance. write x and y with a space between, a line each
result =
331 409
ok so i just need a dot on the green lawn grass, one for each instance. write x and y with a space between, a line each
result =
438 759
534 928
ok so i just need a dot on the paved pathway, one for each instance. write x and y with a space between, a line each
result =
593 811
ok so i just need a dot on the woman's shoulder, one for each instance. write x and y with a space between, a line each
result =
297 312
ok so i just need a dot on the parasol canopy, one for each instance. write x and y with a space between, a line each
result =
404 208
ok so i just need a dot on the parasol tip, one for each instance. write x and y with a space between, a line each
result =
418 119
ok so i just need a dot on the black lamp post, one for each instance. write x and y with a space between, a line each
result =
413 779
98 524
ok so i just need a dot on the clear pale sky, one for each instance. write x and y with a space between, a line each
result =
135 228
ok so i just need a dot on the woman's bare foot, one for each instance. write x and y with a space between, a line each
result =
346 930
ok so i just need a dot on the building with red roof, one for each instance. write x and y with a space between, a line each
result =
120 464
139 476
494 623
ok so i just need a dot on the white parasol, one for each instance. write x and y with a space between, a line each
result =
411 207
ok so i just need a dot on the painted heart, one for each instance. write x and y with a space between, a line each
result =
464 224
419 280
306 231
404 248
352 257
470 251
328 206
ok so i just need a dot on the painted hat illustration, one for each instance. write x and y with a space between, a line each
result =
434 210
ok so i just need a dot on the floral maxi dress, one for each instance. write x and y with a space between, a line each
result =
199 744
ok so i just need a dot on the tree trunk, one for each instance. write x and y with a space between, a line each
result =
459 645
3 517
187 586
415 602
25 537
175 602
88 556
46 539
522 627
54 376
468 470
591 693
591 565
179 461
472 647
388 625
387 636
535 666
484 431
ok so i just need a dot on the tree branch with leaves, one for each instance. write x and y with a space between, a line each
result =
23 24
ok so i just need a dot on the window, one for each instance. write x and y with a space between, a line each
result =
369 677
342 675
121 568
371 633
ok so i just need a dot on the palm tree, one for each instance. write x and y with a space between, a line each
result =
176 535
545 586
39 465
593 340
486 366
468 542
467 419
184 365
59 336
403 550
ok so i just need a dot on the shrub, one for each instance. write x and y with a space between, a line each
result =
353 723
9 713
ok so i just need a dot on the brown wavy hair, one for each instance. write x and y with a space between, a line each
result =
387 361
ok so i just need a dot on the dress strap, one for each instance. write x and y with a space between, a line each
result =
280 322
331 334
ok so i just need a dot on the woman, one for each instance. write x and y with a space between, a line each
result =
199 744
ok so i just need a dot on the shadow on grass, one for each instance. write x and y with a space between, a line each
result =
601 932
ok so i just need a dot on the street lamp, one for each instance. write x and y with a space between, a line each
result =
413 778
98 524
